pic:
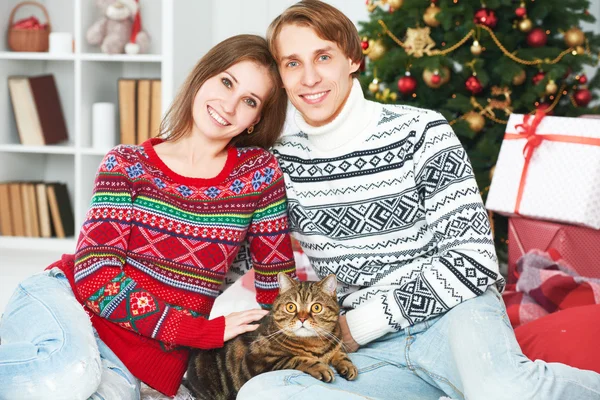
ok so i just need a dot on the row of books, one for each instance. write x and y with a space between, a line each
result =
40 119
36 209
37 108
139 109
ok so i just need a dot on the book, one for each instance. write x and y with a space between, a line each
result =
17 220
27 211
43 210
37 109
143 110
127 110
61 211
155 107
35 219
5 212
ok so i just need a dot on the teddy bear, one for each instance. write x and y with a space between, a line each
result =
119 29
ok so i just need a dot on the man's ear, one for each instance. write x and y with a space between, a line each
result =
354 66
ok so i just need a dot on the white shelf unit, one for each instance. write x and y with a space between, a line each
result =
180 35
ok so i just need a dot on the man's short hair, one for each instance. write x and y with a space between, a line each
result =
328 22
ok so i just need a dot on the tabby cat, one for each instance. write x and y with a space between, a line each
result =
301 332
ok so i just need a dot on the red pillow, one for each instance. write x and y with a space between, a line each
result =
570 337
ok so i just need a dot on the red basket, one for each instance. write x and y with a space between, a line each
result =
28 39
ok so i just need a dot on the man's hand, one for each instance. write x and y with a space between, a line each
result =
240 322
349 343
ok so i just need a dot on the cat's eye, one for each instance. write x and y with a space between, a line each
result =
316 308
290 307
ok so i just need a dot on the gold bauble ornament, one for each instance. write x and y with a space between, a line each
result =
519 78
429 16
551 87
580 50
443 76
476 48
376 49
574 37
374 86
395 4
475 120
525 25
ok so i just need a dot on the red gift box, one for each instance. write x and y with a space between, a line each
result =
578 246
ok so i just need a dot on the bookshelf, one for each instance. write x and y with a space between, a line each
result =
83 78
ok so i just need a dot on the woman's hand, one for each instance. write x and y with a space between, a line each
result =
239 322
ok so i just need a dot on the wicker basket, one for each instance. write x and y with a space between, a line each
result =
28 39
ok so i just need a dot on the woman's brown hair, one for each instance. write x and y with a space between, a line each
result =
328 22
179 119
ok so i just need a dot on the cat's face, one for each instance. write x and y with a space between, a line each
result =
306 309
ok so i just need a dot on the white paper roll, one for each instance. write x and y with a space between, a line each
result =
60 43
104 133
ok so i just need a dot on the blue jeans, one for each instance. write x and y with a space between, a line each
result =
468 353
49 349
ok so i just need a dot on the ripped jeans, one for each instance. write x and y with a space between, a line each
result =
468 353
49 349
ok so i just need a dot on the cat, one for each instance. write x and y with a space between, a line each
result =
301 332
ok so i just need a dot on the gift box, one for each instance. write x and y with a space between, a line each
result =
548 168
577 246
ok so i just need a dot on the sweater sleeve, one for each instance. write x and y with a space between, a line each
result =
100 278
268 235
464 261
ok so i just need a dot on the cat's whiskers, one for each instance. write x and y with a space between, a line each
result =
331 337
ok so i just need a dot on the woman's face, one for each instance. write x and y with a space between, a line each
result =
229 102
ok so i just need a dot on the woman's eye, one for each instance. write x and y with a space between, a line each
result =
292 64
324 58
251 102
316 308
290 307
226 82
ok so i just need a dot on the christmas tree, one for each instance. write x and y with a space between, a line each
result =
478 61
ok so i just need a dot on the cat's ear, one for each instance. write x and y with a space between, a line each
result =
329 284
285 282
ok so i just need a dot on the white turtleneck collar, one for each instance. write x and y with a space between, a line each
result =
356 115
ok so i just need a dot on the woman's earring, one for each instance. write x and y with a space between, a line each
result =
250 129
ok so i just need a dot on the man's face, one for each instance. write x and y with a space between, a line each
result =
316 73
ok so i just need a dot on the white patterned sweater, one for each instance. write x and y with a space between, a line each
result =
385 198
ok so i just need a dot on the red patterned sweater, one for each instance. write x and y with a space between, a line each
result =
156 248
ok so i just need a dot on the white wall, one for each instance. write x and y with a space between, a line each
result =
243 16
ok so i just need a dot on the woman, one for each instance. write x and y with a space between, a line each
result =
165 224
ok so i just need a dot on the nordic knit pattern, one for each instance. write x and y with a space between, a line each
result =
385 198
156 247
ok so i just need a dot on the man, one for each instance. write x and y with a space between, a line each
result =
384 197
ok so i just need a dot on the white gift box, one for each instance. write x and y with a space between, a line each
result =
560 181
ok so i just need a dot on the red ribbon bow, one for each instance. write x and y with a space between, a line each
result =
529 130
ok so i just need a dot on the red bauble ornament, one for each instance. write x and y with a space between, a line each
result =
407 84
583 79
537 78
435 79
544 107
486 17
537 38
521 12
473 85
582 97
364 44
